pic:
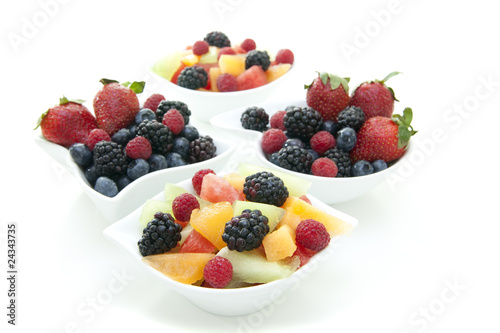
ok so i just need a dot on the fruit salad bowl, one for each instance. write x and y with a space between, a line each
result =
232 301
133 195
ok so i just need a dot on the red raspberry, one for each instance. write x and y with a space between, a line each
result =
276 120
248 44
225 50
174 121
183 206
200 47
284 56
322 141
272 140
153 101
312 235
138 147
324 167
226 82
198 179
218 272
97 135
305 198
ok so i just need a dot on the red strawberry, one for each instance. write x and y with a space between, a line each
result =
67 123
375 98
383 138
116 105
328 94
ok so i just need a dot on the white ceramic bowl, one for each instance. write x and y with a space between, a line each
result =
226 302
328 190
139 190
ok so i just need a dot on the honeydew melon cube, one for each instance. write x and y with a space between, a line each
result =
274 214
211 56
166 66
150 208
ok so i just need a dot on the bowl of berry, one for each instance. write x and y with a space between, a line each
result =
344 145
215 75
228 247
125 150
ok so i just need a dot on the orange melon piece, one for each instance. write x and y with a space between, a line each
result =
182 267
233 64
280 243
334 225
213 75
190 59
290 219
236 180
276 71
210 221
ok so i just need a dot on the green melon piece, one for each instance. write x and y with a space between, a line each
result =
252 267
296 186
273 213
171 191
211 56
150 208
166 66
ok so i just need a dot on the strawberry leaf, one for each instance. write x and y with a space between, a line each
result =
107 81
39 121
335 81
137 86
390 75
405 130
63 100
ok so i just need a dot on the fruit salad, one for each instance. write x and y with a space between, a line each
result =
235 230
215 64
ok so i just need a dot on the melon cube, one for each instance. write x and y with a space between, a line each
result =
251 78
236 180
190 59
211 56
290 219
213 75
274 214
233 64
182 267
166 66
150 208
217 189
210 221
276 71
279 244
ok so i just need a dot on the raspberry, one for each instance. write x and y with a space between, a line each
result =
200 47
322 141
272 140
218 272
276 120
284 56
138 147
312 235
198 179
226 50
226 82
183 205
248 44
174 121
153 101
324 167
95 136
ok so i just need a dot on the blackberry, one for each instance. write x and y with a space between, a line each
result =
193 77
352 117
302 122
159 135
217 38
246 231
202 149
109 158
255 118
265 187
160 235
295 158
165 105
259 58
342 159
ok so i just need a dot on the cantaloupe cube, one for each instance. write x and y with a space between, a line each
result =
182 267
213 75
276 71
233 64
236 180
290 219
280 243
211 220
190 59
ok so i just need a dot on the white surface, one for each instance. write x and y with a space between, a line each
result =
437 225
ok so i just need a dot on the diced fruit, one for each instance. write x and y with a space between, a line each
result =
303 254
236 180
211 220
182 267
280 243
290 219
217 189
210 56
213 75
150 208
274 214
232 64
171 191
175 75
251 78
276 71
166 66
196 243
190 59
253 267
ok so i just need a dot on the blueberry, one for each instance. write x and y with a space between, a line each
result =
274 159
313 153
91 174
122 137
175 160
294 142
106 186
330 126
157 162
362 168
346 138
190 132
132 128
144 114
181 146
379 165
137 168
81 154
122 182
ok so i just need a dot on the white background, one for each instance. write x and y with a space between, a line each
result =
436 227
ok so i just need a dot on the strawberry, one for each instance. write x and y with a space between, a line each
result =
116 105
67 123
375 98
328 94
383 138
